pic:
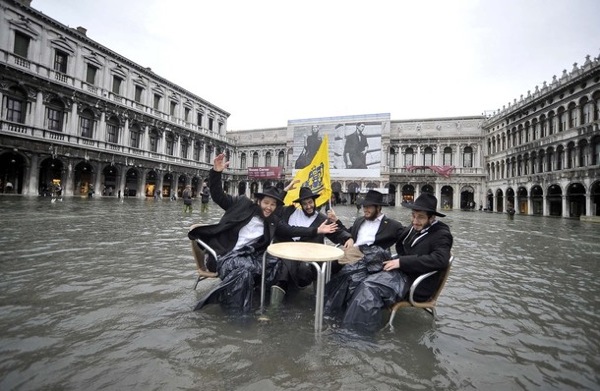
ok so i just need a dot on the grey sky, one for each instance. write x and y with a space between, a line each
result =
267 62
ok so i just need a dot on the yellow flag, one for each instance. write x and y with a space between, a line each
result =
315 176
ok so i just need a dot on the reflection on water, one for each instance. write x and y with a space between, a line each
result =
97 294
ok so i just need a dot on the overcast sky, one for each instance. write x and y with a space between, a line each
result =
267 62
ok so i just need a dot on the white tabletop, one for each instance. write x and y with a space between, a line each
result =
306 252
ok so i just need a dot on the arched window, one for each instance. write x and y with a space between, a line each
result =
280 159
268 159
447 156
134 136
595 148
562 119
428 156
197 148
586 111
392 157
468 157
170 140
255 159
55 112
560 156
550 159
153 140
112 130
15 103
243 164
184 148
572 115
409 157
208 153
86 124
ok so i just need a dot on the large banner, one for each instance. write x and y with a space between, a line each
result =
354 143
315 176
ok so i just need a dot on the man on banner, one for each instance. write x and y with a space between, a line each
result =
315 176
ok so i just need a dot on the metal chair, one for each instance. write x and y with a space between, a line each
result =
428 305
199 250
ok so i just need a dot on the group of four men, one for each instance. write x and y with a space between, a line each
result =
358 290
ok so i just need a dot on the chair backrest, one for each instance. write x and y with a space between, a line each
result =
443 280
199 250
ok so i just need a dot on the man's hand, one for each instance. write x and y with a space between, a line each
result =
391 265
219 163
292 185
349 243
331 216
325 228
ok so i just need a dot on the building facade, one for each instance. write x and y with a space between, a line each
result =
78 116
542 152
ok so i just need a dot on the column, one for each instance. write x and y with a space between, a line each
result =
588 205
159 181
31 185
98 185
102 128
544 206
68 185
121 181
72 126
124 139
38 117
565 206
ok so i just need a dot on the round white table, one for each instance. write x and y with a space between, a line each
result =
312 253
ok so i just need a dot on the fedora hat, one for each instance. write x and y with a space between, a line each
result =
272 192
426 202
373 197
306 192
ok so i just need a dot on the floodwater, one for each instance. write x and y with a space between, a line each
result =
96 294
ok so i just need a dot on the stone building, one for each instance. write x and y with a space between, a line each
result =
77 116
542 151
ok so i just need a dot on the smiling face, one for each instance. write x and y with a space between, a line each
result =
420 220
370 212
308 206
267 206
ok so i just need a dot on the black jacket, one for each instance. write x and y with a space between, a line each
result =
387 234
427 251
239 210
338 237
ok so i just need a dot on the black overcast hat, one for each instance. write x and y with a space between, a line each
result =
306 192
373 197
272 192
426 202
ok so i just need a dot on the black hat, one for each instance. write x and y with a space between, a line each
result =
306 192
373 197
426 202
272 192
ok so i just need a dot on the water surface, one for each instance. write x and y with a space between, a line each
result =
97 294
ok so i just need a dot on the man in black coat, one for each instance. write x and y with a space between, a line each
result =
422 248
373 234
301 274
240 239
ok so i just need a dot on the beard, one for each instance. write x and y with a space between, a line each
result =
309 214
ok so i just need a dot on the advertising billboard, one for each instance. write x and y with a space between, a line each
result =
354 143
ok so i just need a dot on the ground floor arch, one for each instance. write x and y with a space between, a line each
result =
83 184
446 198
12 173
576 199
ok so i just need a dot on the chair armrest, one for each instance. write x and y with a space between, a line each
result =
206 247
416 283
